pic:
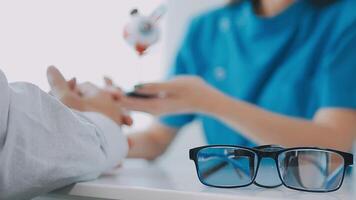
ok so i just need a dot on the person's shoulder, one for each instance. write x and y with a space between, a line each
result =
207 25
341 13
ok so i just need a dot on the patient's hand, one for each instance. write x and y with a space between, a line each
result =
86 97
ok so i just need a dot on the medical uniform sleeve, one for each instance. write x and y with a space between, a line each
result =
45 146
338 88
188 61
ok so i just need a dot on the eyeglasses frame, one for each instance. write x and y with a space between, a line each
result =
347 157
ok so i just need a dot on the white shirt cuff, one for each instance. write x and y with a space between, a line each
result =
116 142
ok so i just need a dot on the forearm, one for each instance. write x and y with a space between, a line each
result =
266 127
151 143
144 147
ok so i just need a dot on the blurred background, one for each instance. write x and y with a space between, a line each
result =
84 39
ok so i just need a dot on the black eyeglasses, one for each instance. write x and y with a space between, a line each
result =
303 168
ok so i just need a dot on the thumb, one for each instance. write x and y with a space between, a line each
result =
56 80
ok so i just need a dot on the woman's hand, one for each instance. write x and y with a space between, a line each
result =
183 94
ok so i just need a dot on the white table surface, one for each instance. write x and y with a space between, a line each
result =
141 180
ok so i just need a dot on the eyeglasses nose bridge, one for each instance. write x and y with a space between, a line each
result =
266 154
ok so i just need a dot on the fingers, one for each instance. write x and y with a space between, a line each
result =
157 89
127 120
138 104
56 80
72 83
108 81
115 92
125 116
123 119
111 88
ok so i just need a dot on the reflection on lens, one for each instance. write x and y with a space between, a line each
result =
313 170
226 166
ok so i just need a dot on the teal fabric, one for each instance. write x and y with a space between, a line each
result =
295 63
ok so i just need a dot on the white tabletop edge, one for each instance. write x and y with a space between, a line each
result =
142 193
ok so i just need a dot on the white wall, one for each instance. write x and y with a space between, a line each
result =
82 37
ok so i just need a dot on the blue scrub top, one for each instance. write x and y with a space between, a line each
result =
294 64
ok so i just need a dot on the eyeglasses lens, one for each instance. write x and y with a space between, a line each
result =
313 170
226 166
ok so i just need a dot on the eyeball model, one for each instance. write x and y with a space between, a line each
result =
142 31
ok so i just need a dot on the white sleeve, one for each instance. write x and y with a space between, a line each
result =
45 146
